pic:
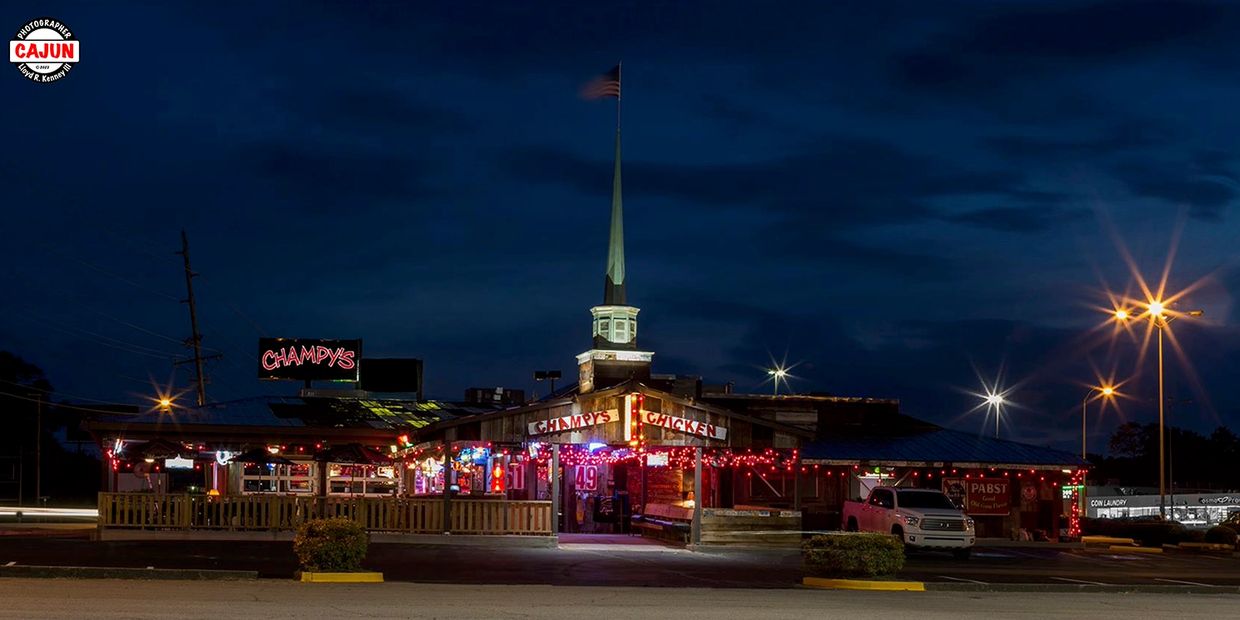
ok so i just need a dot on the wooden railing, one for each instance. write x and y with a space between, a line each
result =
278 512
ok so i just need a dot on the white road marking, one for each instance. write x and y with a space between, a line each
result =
1092 583
963 579
13 563
1187 583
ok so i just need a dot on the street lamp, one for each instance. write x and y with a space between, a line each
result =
778 374
1107 391
995 402
1160 316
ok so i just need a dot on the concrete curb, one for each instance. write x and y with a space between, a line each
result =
863 584
936 586
363 577
110 572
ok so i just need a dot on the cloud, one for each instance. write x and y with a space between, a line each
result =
1203 183
1012 219
1007 47
840 182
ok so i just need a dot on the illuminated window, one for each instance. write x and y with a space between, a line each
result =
297 478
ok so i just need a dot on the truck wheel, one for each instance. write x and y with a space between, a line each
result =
962 554
898 532
852 524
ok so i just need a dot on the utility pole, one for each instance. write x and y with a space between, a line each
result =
38 450
195 339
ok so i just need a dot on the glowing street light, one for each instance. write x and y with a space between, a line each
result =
778 374
1160 316
995 402
1107 392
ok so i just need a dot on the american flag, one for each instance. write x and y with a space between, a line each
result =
606 85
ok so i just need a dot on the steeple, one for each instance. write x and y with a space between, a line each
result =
614 358
613 287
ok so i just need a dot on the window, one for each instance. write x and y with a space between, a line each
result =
604 328
882 498
622 330
350 479
297 478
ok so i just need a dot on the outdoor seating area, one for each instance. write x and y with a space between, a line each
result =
149 511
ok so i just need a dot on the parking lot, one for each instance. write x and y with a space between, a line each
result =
573 563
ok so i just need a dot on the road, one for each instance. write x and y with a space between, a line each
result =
623 565
276 600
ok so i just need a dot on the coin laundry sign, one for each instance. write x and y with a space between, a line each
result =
44 50
308 360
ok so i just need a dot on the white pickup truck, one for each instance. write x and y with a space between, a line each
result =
922 518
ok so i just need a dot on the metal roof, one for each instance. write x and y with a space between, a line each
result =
281 411
938 445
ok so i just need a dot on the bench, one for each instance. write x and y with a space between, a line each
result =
664 521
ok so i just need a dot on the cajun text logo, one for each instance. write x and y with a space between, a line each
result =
44 50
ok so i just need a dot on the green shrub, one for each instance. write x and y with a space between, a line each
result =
853 554
1221 534
330 545
1195 536
1151 533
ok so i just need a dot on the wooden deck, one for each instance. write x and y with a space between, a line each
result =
278 512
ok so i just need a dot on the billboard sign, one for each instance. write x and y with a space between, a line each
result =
301 359
980 496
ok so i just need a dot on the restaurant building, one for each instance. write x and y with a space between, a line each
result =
623 450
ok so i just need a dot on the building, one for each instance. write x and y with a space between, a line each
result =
622 450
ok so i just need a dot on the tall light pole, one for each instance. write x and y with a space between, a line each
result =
777 375
995 402
1107 391
1160 316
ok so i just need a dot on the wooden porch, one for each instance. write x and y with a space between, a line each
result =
148 511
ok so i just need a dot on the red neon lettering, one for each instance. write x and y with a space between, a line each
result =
308 355
344 359
323 353
272 365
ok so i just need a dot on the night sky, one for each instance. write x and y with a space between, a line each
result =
889 195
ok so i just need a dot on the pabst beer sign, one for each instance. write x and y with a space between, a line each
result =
308 360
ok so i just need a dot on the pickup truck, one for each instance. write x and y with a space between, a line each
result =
922 518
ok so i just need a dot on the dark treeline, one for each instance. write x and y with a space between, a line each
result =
70 475
1194 461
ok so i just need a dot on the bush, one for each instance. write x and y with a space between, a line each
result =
1195 536
1150 533
1221 534
853 554
330 545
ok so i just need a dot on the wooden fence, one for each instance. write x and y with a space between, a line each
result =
279 512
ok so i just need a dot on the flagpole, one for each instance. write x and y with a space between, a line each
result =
619 91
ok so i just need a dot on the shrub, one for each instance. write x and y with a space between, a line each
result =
333 545
1221 534
1151 533
853 554
1195 536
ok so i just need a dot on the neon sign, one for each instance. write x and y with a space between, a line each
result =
683 425
570 422
309 360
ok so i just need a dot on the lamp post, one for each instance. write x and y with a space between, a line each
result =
777 375
1160 316
1107 391
995 402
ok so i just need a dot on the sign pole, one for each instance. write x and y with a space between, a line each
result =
554 478
697 495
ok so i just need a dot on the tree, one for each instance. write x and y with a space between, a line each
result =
1130 440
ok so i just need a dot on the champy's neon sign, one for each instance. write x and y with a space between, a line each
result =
316 355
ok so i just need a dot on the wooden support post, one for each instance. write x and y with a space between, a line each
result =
447 486
553 477
796 484
697 496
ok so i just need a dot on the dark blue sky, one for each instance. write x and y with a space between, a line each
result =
890 193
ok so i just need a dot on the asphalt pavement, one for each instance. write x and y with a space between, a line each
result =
279 600
632 565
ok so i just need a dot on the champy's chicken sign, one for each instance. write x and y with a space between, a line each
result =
300 359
